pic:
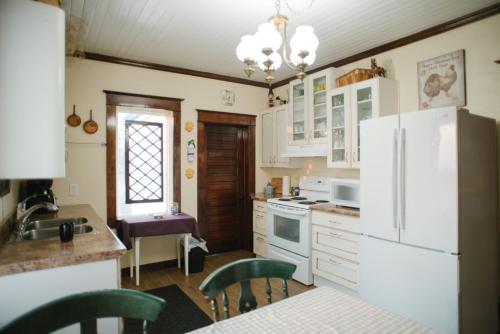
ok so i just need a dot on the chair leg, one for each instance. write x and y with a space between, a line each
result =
137 248
131 262
178 240
186 253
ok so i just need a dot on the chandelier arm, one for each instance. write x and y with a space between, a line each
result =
284 52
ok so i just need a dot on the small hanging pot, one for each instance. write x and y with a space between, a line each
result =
74 120
90 126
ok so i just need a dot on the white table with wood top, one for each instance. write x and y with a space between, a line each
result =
321 310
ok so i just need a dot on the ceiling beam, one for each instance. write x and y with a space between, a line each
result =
438 29
166 68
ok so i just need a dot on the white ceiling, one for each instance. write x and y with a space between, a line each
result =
203 34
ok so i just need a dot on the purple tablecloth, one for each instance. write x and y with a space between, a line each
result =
146 226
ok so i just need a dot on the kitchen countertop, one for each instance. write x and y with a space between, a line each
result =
99 245
261 197
328 207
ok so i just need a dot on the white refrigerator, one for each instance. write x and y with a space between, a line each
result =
429 218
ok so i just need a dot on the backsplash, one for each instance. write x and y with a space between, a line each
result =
310 166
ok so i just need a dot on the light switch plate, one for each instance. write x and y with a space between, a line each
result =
74 189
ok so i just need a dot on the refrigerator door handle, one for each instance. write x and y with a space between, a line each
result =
402 176
395 179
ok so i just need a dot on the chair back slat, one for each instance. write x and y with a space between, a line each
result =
84 308
88 327
269 291
246 301
215 309
242 271
225 301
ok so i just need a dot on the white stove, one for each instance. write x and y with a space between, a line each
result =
289 225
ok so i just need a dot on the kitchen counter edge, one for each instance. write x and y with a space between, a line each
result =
99 245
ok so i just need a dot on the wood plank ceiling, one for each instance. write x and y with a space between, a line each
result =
202 35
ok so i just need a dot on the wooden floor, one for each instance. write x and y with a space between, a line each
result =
155 278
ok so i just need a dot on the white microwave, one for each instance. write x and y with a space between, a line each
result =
345 192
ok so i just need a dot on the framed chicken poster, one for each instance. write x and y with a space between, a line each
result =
441 81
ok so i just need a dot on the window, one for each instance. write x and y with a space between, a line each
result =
144 153
143 162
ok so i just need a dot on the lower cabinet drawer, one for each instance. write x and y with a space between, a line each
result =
335 269
259 222
260 206
260 245
340 243
338 221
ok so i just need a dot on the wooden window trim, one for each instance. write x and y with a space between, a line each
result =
116 99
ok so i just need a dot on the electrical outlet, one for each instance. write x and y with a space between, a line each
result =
74 189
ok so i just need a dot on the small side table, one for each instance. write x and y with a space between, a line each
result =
132 229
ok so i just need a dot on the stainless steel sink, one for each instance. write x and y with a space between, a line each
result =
51 223
47 233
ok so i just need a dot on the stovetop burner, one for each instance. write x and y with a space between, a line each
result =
284 199
297 198
321 201
307 202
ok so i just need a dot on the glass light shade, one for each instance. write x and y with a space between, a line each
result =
247 48
275 57
296 60
304 39
268 37
32 65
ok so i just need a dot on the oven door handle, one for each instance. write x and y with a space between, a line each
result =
289 212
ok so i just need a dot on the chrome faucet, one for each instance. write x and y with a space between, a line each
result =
22 222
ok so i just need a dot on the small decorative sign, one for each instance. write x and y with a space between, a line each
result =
189 126
227 97
441 81
191 147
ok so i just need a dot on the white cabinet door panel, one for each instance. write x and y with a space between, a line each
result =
378 178
417 283
429 206
267 128
281 134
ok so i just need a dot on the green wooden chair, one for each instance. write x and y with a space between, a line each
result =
85 308
242 271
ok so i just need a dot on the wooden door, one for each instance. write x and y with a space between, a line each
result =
225 187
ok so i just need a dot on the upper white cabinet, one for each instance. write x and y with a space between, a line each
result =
346 108
273 124
307 117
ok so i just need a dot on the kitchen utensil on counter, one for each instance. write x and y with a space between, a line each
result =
90 126
268 190
74 120
66 231
276 182
285 186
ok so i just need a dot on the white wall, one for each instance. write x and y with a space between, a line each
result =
86 164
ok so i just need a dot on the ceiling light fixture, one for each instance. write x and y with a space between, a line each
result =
261 49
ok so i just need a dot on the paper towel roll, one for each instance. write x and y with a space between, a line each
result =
286 186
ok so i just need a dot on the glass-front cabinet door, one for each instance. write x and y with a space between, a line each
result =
318 108
338 113
297 113
363 96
